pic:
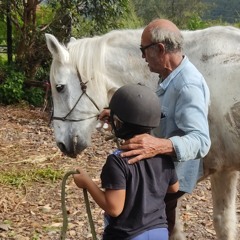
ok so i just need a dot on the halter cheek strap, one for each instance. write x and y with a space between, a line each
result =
84 92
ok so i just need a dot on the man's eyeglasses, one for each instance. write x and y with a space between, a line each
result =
145 47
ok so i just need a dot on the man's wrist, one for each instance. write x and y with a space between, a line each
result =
169 149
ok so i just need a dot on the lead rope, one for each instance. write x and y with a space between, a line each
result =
64 210
63 202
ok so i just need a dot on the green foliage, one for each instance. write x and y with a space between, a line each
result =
87 27
225 11
34 96
42 72
189 13
3 59
177 11
104 13
44 16
237 24
195 22
129 18
3 32
11 89
89 18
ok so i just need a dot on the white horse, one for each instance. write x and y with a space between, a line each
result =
102 64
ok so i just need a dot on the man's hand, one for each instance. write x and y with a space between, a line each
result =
145 146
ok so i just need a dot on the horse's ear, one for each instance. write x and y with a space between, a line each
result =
57 50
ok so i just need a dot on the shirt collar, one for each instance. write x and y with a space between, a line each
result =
162 86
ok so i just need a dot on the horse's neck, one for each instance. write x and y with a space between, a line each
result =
123 60
113 60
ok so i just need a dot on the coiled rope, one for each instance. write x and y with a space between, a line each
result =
64 210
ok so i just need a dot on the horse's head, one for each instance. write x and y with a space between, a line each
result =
104 63
75 103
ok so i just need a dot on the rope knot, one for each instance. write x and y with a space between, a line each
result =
83 86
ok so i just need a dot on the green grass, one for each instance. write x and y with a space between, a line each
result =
18 178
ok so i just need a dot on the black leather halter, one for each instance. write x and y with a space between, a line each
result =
84 92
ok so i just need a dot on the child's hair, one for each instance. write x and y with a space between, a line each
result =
134 109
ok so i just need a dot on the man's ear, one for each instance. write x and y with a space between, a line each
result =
161 47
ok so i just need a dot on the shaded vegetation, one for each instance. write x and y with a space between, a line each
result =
226 11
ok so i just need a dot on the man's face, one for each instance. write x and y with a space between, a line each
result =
150 52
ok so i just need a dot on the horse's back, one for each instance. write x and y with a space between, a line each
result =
216 53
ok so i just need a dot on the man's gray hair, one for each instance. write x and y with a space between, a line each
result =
173 41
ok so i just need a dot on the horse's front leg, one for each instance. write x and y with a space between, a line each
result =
224 191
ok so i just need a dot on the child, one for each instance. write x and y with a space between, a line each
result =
133 199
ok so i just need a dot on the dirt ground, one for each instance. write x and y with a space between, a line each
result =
31 171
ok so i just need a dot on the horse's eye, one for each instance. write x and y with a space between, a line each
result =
60 87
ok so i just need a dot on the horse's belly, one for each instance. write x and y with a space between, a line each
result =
224 153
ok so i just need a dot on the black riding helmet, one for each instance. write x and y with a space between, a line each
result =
138 109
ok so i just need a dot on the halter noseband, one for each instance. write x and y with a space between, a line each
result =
84 91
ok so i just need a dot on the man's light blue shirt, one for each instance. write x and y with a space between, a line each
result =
185 98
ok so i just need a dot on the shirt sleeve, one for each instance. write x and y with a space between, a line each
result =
191 117
114 173
174 177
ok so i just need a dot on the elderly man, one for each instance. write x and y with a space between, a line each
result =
184 96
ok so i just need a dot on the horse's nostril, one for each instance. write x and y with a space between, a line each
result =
61 147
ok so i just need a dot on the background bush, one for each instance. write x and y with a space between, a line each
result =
35 96
11 89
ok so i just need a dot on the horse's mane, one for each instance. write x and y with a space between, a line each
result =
89 55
